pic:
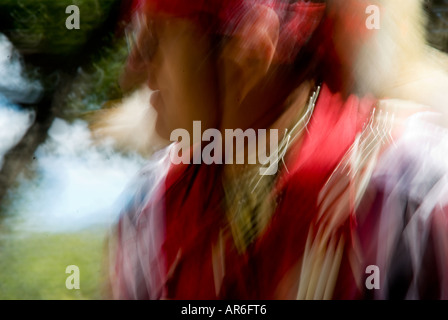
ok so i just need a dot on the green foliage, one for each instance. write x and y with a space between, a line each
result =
39 25
97 82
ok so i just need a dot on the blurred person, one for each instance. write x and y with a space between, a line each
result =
198 231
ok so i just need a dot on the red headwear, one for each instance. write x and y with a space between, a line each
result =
298 19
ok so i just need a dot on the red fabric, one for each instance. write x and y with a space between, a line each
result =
194 217
182 7
333 128
296 31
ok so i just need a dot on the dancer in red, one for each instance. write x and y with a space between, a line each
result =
223 231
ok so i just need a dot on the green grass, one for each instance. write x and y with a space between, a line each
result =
33 266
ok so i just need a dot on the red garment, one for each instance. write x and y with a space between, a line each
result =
332 130
191 202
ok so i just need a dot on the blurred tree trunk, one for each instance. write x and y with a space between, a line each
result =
57 69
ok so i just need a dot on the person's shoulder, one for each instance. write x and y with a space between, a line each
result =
418 148
406 201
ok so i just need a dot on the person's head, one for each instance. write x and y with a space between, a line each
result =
173 55
203 59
